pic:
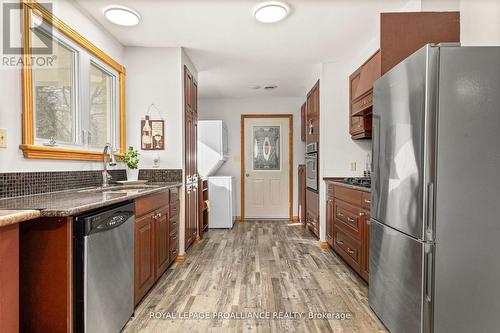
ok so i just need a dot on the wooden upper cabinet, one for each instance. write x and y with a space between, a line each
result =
303 125
363 78
312 114
361 97
401 34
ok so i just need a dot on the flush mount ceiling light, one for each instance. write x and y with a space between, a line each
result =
122 16
270 87
271 11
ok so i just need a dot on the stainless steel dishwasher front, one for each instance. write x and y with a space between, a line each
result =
104 269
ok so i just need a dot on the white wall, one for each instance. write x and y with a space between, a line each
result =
154 77
479 19
10 95
480 22
337 149
230 110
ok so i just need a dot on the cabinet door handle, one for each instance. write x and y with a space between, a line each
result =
153 216
159 215
368 201
340 242
350 251
349 219
340 214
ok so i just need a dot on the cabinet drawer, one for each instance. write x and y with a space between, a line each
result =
174 247
174 225
366 200
151 202
174 194
362 106
312 223
349 216
174 209
348 248
348 195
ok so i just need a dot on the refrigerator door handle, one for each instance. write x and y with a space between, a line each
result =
429 225
428 273
427 315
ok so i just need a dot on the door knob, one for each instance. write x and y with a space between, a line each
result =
248 175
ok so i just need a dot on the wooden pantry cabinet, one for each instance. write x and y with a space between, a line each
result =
401 34
348 225
156 238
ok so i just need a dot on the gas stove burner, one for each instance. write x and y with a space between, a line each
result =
358 181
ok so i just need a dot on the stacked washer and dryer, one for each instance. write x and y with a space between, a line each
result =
212 154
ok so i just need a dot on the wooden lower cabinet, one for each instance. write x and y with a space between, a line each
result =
312 212
162 244
9 278
156 239
302 193
144 256
348 225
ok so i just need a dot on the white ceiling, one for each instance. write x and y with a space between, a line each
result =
232 51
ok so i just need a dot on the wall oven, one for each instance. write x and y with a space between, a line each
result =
312 166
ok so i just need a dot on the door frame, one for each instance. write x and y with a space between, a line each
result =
290 140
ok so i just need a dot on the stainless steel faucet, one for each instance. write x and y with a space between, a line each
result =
112 162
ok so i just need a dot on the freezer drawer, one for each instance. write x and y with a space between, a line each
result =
398 275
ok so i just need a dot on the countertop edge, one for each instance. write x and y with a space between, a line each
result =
87 208
338 181
18 216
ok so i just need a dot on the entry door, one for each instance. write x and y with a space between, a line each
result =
267 167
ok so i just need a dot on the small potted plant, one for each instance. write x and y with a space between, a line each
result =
131 159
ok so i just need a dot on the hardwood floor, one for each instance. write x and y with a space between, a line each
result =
257 266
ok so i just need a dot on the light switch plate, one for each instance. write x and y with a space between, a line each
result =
353 165
3 138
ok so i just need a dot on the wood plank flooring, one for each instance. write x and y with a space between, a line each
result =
257 267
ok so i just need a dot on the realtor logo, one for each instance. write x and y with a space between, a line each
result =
39 32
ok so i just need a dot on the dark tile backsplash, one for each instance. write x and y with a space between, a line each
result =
161 175
14 184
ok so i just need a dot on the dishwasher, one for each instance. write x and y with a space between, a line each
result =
103 271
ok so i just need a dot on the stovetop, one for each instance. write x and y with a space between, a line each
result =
358 181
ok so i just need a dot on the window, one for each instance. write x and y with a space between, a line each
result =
76 104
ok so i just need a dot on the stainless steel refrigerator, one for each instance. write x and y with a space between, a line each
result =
435 222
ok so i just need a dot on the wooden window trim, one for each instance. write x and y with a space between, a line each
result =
28 146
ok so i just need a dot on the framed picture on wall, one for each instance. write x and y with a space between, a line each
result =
152 134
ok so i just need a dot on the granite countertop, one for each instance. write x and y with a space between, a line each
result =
338 181
73 202
8 217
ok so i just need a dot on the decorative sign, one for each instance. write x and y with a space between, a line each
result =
152 134
266 148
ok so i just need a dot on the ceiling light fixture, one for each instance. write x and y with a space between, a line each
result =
271 11
122 16
270 87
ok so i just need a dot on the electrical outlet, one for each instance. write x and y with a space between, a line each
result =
3 138
353 165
